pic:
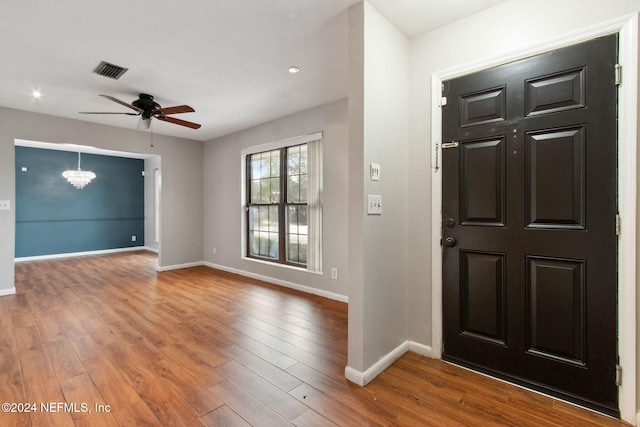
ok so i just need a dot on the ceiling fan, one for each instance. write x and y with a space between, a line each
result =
146 108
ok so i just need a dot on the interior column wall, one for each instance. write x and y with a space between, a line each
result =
379 132
150 166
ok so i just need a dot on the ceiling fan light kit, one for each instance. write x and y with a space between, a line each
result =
144 124
147 108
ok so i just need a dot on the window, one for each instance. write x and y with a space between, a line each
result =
156 205
283 203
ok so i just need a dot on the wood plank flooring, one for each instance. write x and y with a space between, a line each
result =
107 341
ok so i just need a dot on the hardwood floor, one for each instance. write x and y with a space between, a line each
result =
106 340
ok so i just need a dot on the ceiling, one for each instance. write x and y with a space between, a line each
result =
227 59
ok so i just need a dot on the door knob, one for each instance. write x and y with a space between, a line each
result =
450 242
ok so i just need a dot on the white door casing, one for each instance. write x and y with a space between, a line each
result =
627 28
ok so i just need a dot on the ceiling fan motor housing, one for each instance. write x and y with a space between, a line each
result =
146 104
147 108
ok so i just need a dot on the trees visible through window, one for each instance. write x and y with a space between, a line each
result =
282 197
277 211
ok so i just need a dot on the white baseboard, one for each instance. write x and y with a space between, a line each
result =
5 292
75 254
355 376
421 349
363 378
286 284
180 266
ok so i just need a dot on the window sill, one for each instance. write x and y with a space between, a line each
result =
285 266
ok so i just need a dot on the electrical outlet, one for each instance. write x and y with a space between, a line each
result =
5 205
334 273
134 238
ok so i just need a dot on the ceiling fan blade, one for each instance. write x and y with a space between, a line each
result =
179 122
174 110
95 112
116 100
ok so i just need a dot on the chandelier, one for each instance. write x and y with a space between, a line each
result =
78 178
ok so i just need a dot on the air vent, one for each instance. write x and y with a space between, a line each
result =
110 70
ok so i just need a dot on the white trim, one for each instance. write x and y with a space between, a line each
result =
87 253
180 266
363 378
627 206
6 292
274 145
436 217
605 28
355 376
627 27
421 349
80 148
280 265
284 283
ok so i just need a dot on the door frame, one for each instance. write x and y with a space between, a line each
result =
627 28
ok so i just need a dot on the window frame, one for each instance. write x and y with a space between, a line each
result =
281 146
283 204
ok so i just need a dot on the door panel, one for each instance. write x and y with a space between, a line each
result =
482 192
554 93
483 296
555 178
529 206
556 309
483 107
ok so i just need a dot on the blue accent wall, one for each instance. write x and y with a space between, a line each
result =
53 217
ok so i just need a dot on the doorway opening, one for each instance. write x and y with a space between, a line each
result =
118 211
626 27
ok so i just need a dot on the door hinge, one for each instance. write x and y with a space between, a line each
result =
618 226
618 74
443 101
618 375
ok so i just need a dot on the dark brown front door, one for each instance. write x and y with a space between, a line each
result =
529 213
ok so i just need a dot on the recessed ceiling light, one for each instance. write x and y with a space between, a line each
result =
294 69
36 94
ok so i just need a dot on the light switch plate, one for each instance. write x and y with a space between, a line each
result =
5 205
374 204
375 171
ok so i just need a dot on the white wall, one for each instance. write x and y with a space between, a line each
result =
150 166
182 172
223 205
7 218
379 106
356 190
